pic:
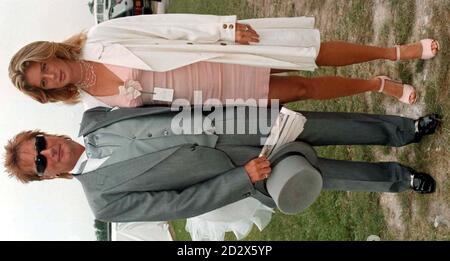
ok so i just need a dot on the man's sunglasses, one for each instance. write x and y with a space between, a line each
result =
40 161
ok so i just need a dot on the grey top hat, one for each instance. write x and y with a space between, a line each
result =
294 183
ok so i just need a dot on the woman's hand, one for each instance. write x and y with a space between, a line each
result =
245 34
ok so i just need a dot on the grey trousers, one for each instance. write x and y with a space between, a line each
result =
324 128
335 128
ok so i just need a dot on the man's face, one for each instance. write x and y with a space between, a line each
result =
61 155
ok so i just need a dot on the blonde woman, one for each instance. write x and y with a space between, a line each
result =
138 60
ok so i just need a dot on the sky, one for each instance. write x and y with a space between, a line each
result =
48 210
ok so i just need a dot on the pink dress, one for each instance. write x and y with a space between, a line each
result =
214 80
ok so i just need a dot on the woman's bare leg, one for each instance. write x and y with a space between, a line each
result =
341 53
337 53
294 88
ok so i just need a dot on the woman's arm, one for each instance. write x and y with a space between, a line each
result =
190 27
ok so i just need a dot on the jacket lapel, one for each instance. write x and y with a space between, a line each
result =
115 54
99 117
145 57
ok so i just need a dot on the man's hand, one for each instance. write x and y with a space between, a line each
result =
258 169
245 34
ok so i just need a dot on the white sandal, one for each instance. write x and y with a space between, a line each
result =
407 90
427 52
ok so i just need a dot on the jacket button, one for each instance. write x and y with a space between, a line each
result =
225 26
149 135
190 43
223 44
194 146
165 133
231 26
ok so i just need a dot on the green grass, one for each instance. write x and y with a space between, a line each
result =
357 18
437 100
334 216
180 232
315 5
446 187
230 7
403 13
384 33
385 150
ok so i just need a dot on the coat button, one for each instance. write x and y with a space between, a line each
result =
149 135
231 26
165 132
225 26
190 43
223 44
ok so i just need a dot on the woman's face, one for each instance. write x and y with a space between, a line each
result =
52 73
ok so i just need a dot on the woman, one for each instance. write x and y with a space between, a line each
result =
137 60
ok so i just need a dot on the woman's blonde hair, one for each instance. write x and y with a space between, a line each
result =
38 52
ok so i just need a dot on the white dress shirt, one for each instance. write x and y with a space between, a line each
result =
90 164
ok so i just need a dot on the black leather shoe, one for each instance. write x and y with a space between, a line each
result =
427 125
422 183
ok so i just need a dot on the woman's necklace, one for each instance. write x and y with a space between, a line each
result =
88 76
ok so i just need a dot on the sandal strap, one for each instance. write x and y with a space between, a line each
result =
427 52
407 89
397 50
383 81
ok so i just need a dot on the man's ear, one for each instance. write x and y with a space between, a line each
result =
66 176
47 177
61 176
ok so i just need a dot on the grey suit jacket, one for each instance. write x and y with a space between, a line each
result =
165 176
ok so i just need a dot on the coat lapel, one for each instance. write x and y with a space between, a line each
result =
115 54
99 117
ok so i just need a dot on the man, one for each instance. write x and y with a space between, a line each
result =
134 167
